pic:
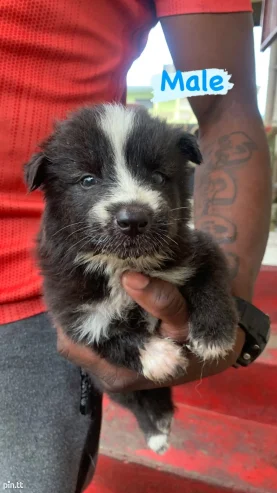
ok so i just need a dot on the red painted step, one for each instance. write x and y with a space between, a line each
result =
224 437
114 476
245 393
217 450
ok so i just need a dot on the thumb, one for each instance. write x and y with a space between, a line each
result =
162 300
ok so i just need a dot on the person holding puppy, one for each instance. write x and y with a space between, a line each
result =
57 56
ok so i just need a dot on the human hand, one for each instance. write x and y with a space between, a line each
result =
164 301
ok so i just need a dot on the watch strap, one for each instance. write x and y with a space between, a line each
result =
256 326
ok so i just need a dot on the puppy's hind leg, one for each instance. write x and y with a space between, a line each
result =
159 407
153 410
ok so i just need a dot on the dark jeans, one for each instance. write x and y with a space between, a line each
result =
46 443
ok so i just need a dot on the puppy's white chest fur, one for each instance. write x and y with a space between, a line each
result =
97 317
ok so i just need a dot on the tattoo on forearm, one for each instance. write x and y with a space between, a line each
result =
218 189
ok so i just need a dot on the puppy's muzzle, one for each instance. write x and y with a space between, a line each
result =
133 220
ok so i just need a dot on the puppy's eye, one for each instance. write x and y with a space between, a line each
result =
88 181
158 178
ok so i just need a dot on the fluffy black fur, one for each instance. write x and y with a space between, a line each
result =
72 238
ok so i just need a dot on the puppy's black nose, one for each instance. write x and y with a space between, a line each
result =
132 220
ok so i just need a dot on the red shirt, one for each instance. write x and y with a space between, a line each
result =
56 55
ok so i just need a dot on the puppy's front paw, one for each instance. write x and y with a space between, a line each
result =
162 359
212 345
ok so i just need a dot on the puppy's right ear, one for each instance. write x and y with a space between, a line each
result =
34 171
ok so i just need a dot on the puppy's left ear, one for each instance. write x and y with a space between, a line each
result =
189 147
34 171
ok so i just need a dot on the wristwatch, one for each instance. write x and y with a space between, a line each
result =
256 326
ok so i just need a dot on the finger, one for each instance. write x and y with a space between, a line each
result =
162 300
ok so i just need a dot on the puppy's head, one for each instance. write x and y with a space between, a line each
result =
115 182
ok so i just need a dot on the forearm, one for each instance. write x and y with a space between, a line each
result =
233 190
232 193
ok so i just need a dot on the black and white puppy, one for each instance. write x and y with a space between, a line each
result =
115 182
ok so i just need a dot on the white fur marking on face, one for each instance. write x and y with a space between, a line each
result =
161 358
158 443
100 212
117 122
